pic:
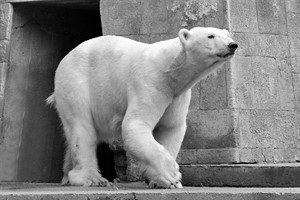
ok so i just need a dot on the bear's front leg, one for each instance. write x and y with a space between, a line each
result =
171 128
141 117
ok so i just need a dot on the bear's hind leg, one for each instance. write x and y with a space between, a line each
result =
82 144
67 166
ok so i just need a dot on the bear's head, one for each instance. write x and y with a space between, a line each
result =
207 45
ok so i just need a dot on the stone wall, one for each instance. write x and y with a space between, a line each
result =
7 149
249 112
264 92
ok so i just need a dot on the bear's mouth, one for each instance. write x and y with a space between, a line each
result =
225 55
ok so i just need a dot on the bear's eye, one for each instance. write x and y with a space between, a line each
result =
211 36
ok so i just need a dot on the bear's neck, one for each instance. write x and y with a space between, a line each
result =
181 74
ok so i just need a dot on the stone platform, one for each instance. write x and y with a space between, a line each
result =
135 191
242 175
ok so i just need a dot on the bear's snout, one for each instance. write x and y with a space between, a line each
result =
233 46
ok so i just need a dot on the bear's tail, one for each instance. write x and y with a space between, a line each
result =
51 100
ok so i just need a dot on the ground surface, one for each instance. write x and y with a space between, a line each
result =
127 191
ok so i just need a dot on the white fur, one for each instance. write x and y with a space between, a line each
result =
110 87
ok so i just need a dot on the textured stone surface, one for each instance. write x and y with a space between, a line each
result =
294 40
140 191
154 17
4 51
285 85
3 72
262 45
257 128
120 17
268 129
213 91
271 16
255 83
242 16
207 156
296 81
195 99
287 124
191 13
287 175
293 6
5 20
218 18
268 155
133 170
209 129
265 83
293 22
295 64
241 78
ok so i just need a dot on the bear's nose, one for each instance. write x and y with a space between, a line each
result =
233 46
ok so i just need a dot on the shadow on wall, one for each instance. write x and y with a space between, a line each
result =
42 35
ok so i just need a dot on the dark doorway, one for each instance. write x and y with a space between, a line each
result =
42 35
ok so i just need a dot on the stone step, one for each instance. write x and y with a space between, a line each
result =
242 175
136 191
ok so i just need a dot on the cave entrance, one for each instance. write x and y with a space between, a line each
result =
42 34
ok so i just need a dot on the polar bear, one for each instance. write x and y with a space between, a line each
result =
110 87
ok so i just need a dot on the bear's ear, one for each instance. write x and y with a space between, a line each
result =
184 35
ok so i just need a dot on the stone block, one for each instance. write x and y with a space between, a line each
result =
213 91
296 82
241 78
265 130
262 45
271 16
154 17
6 13
293 6
286 155
287 124
191 13
4 51
293 22
122 17
218 18
294 40
285 85
255 83
195 99
3 71
256 128
265 83
295 64
210 129
248 175
133 170
257 155
242 16
207 156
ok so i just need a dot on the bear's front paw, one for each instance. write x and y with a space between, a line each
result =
164 172
87 178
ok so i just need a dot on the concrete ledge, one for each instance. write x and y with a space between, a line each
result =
135 191
242 175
